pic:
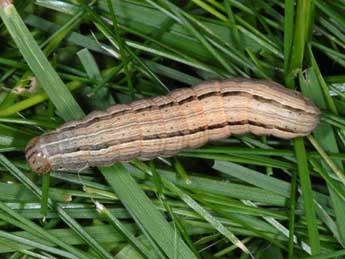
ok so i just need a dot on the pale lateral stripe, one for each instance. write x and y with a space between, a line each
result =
44 145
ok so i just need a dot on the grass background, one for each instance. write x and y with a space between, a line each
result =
243 197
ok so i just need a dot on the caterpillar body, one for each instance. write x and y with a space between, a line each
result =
164 125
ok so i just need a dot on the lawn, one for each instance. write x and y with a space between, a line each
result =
244 197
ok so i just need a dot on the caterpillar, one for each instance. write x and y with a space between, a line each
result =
164 125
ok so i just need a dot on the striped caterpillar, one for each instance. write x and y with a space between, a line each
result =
164 125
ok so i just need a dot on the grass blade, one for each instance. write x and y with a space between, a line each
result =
309 209
46 75
143 211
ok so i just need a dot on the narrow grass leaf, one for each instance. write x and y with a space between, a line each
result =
119 226
62 214
309 209
45 195
89 64
253 177
122 47
39 64
143 211
326 137
207 216
42 233
31 101
288 31
327 159
51 82
33 244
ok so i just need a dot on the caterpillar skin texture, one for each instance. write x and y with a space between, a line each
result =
164 125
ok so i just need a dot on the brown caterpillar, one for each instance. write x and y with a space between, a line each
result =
164 125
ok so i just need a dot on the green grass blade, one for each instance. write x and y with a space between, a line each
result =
45 195
39 231
207 216
63 215
89 64
122 48
288 31
325 136
144 213
33 244
50 81
309 209
46 75
119 226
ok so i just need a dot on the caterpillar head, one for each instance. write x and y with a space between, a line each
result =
36 158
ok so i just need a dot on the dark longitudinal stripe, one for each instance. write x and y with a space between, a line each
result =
147 108
188 131
265 100
189 99
85 123
210 94
262 99
256 97
107 116
165 105
179 133
173 134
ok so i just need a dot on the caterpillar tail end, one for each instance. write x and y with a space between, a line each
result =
37 160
